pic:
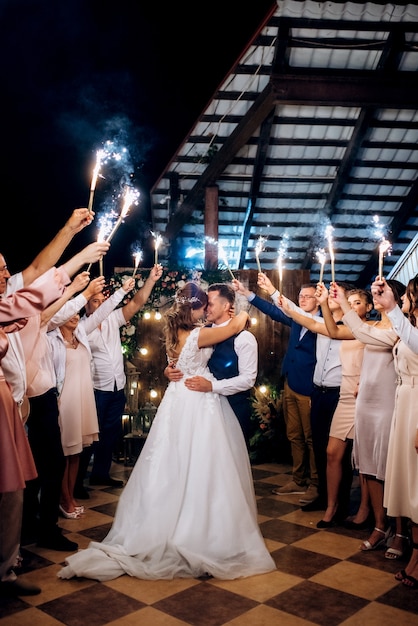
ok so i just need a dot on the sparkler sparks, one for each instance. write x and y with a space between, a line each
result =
328 232
109 151
221 253
320 254
157 243
137 259
258 250
384 246
100 154
280 256
131 197
224 258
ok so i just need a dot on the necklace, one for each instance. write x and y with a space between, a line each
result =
73 341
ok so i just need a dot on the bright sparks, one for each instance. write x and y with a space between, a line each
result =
320 255
328 233
258 250
157 243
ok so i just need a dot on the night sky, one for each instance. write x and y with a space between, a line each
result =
75 73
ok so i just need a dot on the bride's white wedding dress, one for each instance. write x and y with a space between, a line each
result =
189 506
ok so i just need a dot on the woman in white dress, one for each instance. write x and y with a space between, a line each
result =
189 508
401 481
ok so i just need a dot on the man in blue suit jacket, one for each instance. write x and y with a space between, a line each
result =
297 370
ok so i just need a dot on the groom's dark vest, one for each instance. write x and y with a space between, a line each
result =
224 364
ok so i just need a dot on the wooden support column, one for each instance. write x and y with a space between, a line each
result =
211 226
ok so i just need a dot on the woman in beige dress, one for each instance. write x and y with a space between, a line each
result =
374 410
401 481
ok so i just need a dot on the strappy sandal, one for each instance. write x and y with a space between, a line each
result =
410 582
406 579
366 545
393 553
401 575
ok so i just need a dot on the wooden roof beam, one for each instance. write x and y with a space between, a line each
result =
347 88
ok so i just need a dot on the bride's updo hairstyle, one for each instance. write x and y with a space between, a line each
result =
179 316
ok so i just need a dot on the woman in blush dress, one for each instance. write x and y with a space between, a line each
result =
401 481
375 404
188 509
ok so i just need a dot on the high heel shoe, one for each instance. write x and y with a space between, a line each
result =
366 545
79 509
323 524
69 515
367 523
393 553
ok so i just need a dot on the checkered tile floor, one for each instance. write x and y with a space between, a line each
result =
322 577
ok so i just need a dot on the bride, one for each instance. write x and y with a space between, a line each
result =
188 509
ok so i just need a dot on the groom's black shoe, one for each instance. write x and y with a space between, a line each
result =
105 480
55 540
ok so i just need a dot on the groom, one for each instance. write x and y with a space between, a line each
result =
233 362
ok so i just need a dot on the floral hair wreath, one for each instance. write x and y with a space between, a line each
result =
182 300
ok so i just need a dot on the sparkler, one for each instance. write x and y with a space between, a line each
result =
383 247
280 268
280 256
103 227
321 260
137 260
131 195
331 251
100 154
225 259
258 250
157 242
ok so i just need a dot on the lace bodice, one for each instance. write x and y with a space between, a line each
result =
193 360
